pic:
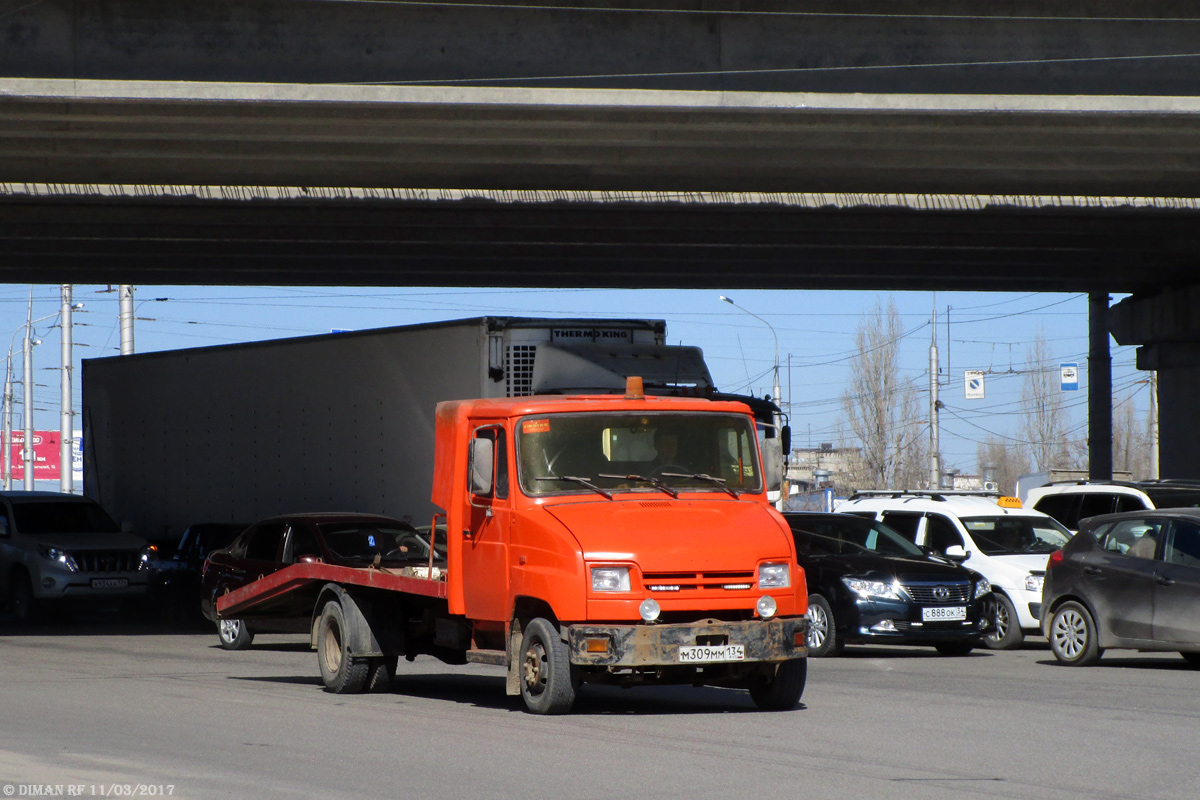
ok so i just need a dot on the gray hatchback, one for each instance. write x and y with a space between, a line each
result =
1129 580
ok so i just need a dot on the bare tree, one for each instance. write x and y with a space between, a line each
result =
1045 423
1002 462
1131 441
884 415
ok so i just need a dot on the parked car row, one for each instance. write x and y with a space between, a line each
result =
954 571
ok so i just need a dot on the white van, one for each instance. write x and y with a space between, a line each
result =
1009 545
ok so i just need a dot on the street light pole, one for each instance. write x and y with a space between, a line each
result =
784 491
778 400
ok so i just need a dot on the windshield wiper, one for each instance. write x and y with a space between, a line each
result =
587 482
655 482
700 476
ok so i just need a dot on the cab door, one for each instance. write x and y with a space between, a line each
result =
485 567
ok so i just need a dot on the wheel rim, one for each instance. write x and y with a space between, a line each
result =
1003 621
1069 633
818 626
229 629
535 668
332 648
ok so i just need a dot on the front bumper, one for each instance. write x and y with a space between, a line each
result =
900 621
654 645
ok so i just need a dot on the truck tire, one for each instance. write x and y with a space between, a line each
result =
341 672
546 674
234 634
1006 633
782 691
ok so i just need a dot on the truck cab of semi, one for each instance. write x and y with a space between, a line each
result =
618 539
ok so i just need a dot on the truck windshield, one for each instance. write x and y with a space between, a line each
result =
1001 536
660 453
39 517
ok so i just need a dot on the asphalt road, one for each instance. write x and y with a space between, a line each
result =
127 710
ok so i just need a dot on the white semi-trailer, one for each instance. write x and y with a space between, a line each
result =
339 422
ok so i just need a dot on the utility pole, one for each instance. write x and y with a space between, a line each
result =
66 429
1154 425
935 466
27 451
126 292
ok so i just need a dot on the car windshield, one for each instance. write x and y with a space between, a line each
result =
359 541
849 535
56 516
1009 535
605 453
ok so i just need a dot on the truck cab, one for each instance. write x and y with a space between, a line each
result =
618 539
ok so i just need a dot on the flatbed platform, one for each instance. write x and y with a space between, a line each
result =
299 577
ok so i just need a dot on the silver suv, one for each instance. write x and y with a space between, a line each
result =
1070 501
56 547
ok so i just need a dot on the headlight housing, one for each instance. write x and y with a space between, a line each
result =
872 590
982 587
148 554
60 556
1034 583
774 576
610 579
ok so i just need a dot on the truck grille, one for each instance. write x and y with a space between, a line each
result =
103 561
693 581
939 592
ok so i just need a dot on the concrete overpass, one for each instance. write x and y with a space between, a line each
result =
794 144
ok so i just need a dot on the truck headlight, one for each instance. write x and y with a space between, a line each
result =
774 576
610 579
60 556
1034 583
867 590
982 587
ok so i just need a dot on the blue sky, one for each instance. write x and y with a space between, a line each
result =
815 330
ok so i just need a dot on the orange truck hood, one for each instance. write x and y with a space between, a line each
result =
676 535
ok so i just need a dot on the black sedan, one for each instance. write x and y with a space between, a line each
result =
1128 580
868 584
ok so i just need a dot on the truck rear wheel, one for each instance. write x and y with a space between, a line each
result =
341 672
782 691
547 679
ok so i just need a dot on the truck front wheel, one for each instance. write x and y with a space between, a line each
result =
547 682
341 672
782 691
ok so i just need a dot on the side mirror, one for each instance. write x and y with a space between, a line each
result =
772 455
956 553
785 435
480 468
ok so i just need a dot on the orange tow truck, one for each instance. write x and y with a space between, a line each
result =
613 539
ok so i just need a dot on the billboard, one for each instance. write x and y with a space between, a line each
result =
46 455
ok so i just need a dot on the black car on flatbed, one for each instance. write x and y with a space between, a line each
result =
868 584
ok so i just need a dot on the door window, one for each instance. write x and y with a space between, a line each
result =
905 523
1059 506
1184 545
500 464
263 544
1095 503
1132 537
940 533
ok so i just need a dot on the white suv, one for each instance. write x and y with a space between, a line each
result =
59 547
1007 544
1070 501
